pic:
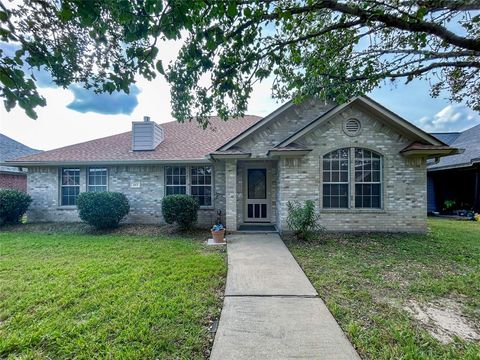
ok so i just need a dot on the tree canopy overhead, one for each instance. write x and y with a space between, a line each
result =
333 49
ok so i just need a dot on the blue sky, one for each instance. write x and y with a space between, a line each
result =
74 115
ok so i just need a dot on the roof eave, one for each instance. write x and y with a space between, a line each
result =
454 166
107 162
431 153
230 156
288 153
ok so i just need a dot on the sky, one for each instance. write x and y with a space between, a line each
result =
75 115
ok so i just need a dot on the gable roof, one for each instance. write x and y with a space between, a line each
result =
469 140
183 142
236 139
393 119
11 149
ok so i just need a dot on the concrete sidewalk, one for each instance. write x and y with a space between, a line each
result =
271 310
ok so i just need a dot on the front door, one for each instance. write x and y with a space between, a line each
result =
257 199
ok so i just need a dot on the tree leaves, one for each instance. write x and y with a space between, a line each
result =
329 49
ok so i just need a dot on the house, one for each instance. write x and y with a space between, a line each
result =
456 178
12 177
364 167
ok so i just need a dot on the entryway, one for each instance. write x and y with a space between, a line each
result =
257 195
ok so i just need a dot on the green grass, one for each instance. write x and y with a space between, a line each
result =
117 297
367 280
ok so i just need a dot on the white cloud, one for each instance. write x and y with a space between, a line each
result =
453 117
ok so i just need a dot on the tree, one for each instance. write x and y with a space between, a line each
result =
328 48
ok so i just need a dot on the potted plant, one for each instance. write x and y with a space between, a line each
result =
218 233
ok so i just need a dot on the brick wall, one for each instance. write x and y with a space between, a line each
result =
13 181
143 186
404 184
286 124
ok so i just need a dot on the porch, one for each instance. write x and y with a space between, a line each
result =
251 194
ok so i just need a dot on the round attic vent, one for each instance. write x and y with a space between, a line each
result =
352 127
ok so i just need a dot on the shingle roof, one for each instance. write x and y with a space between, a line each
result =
468 140
183 141
447 138
11 149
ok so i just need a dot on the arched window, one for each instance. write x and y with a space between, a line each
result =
354 171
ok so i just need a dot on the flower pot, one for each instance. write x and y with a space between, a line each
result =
218 236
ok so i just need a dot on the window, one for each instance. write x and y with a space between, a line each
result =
193 180
367 179
175 180
70 186
363 177
97 180
335 179
201 188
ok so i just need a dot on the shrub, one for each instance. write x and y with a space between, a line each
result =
303 220
180 209
102 210
13 204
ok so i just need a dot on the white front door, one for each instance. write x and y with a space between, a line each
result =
257 207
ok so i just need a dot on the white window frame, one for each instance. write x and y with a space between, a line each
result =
202 185
379 182
188 181
88 177
352 181
330 171
62 186
175 185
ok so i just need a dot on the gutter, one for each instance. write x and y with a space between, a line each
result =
105 162
456 166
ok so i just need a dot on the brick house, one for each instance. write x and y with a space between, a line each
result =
12 177
364 167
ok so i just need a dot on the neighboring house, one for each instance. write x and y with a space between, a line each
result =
12 177
364 167
456 177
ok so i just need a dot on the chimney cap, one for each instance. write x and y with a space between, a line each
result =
146 118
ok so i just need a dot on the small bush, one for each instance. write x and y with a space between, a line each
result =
180 209
13 204
303 220
102 210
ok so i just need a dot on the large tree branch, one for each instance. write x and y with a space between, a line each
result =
415 72
396 22
373 15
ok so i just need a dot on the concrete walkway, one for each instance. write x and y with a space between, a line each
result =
271 310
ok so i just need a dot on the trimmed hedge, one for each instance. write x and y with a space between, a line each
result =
180 209
102 210
13 204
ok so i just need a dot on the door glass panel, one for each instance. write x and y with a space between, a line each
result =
250 210
257 183
264 211
257 210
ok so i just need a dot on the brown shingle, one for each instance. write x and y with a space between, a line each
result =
183 141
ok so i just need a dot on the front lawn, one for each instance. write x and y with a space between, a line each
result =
402 296
115 296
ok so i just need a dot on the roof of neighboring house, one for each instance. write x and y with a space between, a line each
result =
11 149
183 142
469 140
447 138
